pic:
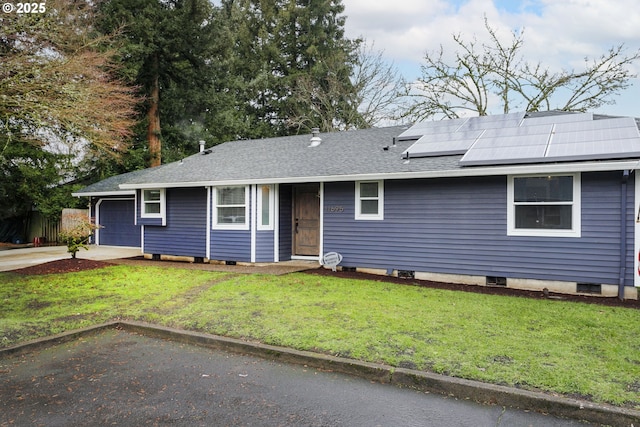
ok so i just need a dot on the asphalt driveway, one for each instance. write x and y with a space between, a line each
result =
119 377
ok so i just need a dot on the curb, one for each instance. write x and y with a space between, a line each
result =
424 381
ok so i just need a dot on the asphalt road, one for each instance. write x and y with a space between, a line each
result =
121 378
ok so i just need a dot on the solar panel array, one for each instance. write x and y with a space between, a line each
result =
515 138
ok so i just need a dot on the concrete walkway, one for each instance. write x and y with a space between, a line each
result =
26 257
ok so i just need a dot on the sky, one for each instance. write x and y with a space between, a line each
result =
557 33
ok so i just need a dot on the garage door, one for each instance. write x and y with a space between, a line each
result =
117 217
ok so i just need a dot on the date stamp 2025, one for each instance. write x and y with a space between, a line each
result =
24 7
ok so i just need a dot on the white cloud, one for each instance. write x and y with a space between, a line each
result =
557 33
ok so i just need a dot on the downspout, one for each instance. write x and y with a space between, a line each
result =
623 234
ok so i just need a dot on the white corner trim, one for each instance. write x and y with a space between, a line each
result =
321 243
276 223
208 232
97 216
254 220
636 233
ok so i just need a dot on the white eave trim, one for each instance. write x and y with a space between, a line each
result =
452 173
105 193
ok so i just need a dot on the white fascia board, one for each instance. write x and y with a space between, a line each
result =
156 185
451 173
105 193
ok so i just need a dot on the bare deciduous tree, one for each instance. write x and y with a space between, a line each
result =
379 86
56 83
482 73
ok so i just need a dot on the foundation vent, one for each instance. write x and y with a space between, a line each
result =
496 281
406 274
589 288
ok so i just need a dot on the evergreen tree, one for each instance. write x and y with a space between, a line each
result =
291 65
165 49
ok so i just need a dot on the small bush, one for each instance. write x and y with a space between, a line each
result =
77 232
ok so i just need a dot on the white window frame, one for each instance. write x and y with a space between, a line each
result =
365 216
162 202
576 209
234 226
271 201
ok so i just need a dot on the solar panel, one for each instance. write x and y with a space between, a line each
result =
557 118
493 122
431 127
516 132
505 145
568 141
611 138
503 155
442 144
514 138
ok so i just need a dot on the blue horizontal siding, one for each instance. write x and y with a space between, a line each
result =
459 226
186 227
264 246
231 245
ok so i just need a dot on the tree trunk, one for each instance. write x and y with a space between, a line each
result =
153 131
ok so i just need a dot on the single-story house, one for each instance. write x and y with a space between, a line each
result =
536 200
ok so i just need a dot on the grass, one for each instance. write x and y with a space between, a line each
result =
584 350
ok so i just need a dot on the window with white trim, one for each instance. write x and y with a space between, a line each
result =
231 208
370 200
153 203
544 205
265 207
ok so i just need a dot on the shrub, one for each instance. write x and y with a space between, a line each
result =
77 232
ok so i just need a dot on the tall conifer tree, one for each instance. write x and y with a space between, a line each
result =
165 46
292 64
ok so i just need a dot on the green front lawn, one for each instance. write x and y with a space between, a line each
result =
585 350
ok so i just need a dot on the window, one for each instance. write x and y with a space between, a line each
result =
232 208
546 205
153 203
265 207
370 200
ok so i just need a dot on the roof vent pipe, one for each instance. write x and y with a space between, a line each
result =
315 139
201 142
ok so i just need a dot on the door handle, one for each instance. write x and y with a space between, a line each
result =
296 226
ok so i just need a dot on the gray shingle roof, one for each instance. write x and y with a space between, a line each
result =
350 153
359 154
111 184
